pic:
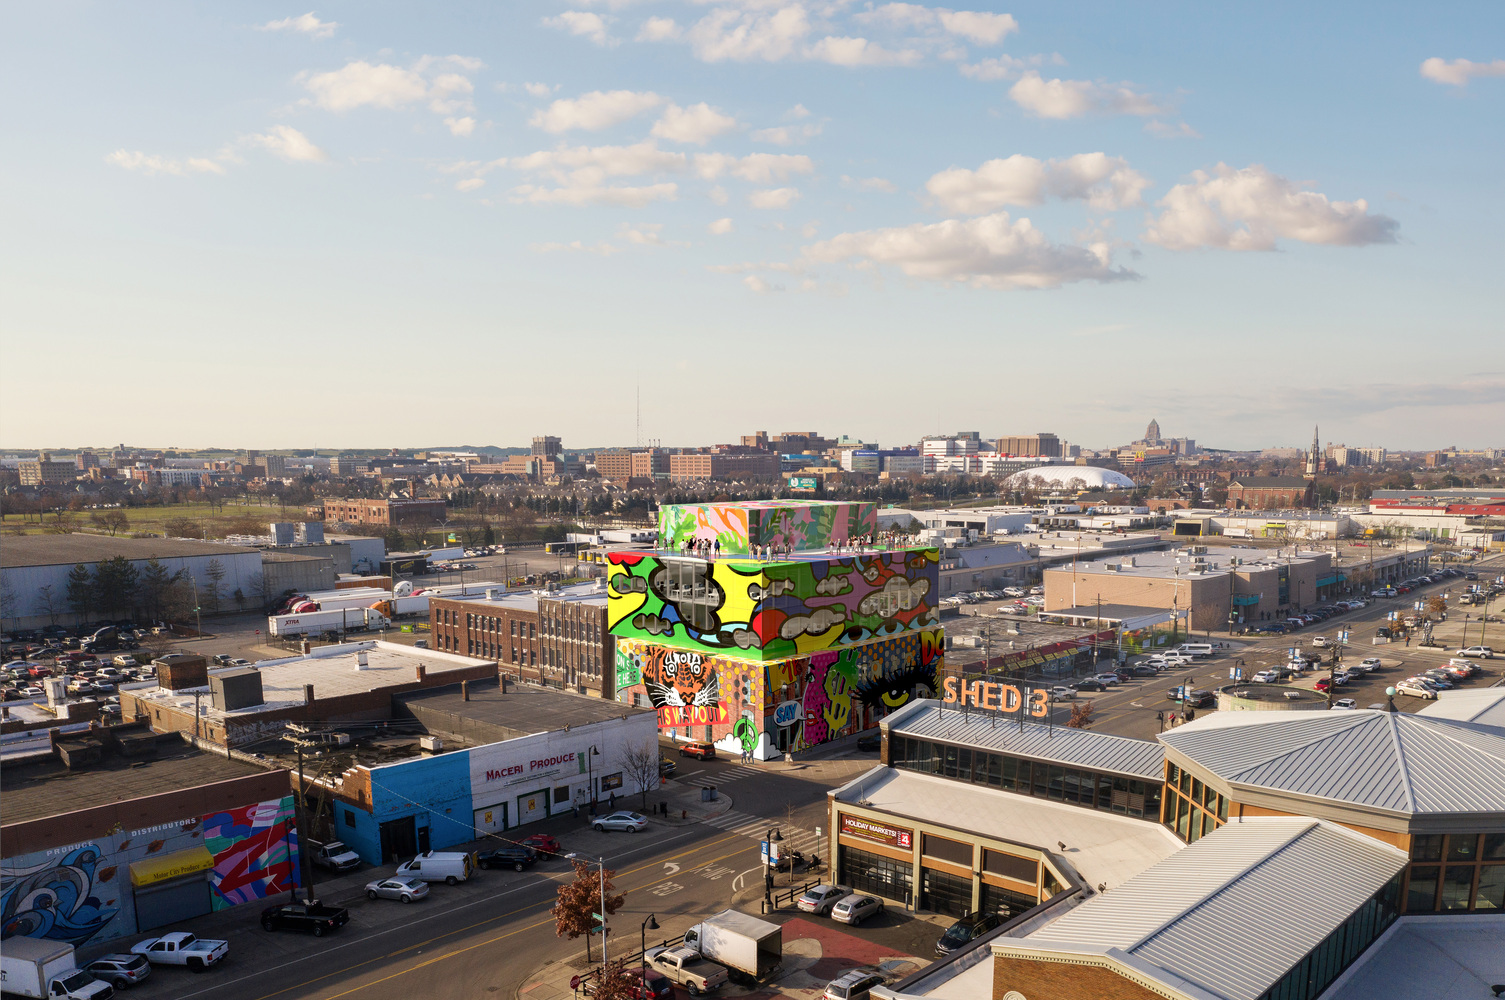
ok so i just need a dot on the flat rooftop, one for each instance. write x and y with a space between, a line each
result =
785 558
1176 563
332 670
46 787
1101 847
527 600
1428 958
71 549
491 716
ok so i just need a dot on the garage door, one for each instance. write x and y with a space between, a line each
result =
168 902
492 819
534 805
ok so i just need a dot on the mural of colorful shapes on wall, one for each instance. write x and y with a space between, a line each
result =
58 900
626 592
254 850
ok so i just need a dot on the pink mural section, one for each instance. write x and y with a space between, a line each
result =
254 850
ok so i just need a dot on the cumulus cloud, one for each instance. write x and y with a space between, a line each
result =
461 126
1458 72
151 163
990 251
697 123
303 24
720 227
289 144
869 184
757 284
581 23
607 161
629 235
978 27
1171 130
1107 183
538 89
845 51
380 85
595 110
749 35
787 135
755 168
1077 98
658 29
587 175
773 198
581 193
1251 209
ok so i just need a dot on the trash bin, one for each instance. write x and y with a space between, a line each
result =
705 795
713 793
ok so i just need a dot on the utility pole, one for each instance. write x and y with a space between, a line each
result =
305 868
603 919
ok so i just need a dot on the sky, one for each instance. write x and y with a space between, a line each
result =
398 225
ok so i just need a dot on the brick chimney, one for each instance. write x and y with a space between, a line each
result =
308 694
422 674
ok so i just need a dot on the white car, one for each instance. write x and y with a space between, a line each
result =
1175 659
1013 592
1062 693
630 822
1370 663
124 661
1482 652
1319 641
1106 678
1346 704
1266 677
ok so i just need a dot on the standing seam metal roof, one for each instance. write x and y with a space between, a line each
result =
1054 744
1407 764
1235 911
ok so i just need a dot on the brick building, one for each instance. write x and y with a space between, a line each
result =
723 465
43 471
1043 445
384 512
1272 492
555 638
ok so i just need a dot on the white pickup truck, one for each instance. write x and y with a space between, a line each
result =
182 948
685 967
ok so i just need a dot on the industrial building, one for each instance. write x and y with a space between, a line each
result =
382 513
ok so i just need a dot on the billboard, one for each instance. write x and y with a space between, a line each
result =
811 483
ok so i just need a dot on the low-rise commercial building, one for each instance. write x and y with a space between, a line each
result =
383 513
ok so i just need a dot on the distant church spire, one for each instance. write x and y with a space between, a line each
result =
1312 456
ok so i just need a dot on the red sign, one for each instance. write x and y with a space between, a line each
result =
693 715
893 836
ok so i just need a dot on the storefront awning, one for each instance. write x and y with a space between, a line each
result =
171 866
1327 581
1244 600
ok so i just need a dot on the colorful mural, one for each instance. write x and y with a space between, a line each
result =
689 688
736 528
83 892
768 610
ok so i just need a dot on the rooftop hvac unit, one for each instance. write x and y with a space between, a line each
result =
313 532
282 533
340 739
432 744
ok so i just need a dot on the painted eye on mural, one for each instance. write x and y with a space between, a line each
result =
670 668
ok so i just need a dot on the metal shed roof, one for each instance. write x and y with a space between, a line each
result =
927 720
1232 913
1391 761
1482 705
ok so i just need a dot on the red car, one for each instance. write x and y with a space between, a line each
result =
543 844
705 751
1322 684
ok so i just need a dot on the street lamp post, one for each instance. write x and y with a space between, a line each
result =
648 925
772 838
590 761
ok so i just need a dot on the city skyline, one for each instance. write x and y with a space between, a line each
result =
390 226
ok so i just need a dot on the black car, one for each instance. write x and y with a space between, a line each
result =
1094 685
512 856
1143 670
870 744
966 930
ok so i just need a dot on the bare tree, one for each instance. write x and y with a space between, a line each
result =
48 603
214 590
640 765
9 602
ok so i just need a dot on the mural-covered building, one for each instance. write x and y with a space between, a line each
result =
773 626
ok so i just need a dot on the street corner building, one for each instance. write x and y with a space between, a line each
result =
774 626
119 831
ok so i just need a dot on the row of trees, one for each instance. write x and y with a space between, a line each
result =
116 588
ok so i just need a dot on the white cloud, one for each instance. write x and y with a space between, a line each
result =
697 123
289 144
150 163
1076 98
602 248
658 29
303 24
1171 130
1107 183
470 184
1458 72
583 193
605 161
538 89
842 51
595 110
1250 209
755 168
773 198
747 35
986 252
757 284
720 227
797 112
787 135
361 84
978 27
869 184
461 126
583 24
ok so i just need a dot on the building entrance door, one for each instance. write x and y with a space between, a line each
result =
532 806
492 819
399 840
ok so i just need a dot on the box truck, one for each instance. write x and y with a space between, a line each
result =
36 967
343 620
751 949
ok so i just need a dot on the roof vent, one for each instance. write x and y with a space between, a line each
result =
360 659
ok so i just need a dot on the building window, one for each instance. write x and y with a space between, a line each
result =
561 794
868 872
349 817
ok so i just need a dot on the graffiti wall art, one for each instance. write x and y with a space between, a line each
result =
737 528
67 898
254 848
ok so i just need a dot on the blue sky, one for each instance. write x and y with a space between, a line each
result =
380 224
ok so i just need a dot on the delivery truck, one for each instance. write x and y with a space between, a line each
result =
751 949
36 967
343 620
398 607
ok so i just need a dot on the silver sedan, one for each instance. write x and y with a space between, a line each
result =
405 889
856 908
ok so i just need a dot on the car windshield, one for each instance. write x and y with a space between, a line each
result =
958 933
77 981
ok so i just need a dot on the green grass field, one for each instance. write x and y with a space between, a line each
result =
154 519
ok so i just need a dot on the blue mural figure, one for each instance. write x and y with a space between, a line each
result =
55 901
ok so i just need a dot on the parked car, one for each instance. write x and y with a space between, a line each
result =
1143 670
514 856
1319 641
334 855
1416 690
685 967
1093 684
821 898
1062 693
307 916
123 660
967 928
630 822
543 845
120 970
1266 677
1109 677
1345 704
656 985
1479 652
702 751
404 889
666 767
854 985
856 908
450 867
1370 663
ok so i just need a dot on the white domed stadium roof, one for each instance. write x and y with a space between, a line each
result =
1085 477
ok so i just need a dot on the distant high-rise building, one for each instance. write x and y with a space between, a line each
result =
1314 457
43 471
545 447
276 465
1152 432
85 460
1032 445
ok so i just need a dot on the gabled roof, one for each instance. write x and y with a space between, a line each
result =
1395 762
1231 914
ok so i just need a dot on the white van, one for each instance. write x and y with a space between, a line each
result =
1195 649
439 866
